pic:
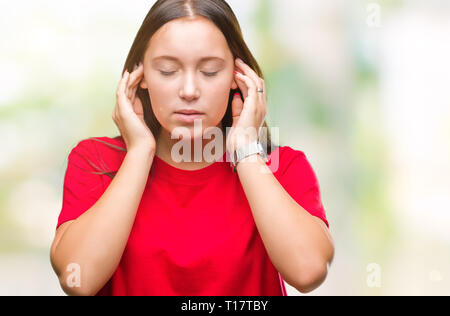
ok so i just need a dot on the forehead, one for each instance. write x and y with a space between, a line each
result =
189 39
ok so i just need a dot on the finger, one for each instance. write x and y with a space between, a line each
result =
248 71
134 85
237 106
250 84
119 86
128 88
122 97
114 116
132 75
135 78
264 97
242 86
134 95
126 79
262 85
137 72
136 75
130 84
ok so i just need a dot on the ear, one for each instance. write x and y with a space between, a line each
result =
143 84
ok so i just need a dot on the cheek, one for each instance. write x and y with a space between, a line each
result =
160 96
216 96
218 103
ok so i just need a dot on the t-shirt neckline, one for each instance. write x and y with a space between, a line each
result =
161 168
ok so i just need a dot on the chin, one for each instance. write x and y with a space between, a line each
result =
189 132
185 132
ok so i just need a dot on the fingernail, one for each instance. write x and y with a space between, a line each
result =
236 95
239 60
236 72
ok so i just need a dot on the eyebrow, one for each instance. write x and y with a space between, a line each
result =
173 58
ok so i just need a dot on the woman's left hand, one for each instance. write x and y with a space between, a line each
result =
248 116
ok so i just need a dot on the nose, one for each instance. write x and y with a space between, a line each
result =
189 89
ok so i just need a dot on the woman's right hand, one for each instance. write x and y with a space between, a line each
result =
128 113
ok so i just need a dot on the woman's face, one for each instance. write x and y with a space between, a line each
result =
189 66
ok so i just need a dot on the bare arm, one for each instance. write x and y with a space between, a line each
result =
95 241
298 244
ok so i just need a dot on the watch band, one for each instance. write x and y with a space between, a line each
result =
246 151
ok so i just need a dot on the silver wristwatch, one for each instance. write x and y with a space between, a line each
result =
246 151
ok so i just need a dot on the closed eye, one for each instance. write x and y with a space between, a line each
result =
210 74
165 73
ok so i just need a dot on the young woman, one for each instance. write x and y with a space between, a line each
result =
136 220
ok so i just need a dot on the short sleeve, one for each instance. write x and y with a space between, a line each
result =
299 180
83 185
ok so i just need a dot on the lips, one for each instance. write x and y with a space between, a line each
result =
188 116
188 112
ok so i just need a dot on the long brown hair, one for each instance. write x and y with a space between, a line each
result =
221 14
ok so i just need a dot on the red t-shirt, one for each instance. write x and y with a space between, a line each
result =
194 232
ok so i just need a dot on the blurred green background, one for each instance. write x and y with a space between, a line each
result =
360 86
